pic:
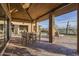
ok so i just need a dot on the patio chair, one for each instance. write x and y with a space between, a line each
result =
32 38
24 38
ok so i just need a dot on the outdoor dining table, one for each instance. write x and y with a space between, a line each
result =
28 38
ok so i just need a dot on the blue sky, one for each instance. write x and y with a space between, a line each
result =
61 21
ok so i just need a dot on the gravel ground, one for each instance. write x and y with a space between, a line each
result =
63 46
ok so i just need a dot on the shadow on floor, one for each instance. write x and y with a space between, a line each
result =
15 51
53 48
44 45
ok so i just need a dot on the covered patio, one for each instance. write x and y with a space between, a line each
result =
30 43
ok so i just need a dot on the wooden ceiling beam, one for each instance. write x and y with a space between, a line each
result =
20 19
6 9
20 9
27 13
52 10
66 9
11 11
29 6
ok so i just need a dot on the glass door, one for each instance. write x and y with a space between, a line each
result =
3 29
3 32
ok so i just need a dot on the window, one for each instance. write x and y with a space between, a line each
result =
1 26
23 27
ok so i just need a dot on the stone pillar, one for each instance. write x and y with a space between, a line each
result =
53 26
31 26
36 29
35 26
16 29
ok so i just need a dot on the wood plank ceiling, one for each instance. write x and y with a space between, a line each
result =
35 11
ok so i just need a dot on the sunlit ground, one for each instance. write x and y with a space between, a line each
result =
65 45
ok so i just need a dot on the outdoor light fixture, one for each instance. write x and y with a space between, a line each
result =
26 5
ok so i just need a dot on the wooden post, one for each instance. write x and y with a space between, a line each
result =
50 28
31 26
8 29
78 28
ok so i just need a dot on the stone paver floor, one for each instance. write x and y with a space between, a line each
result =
60 46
